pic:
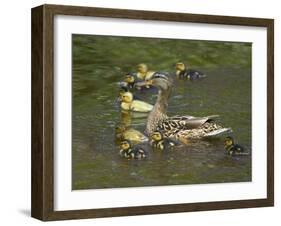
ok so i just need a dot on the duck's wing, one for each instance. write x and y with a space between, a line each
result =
218 132
186 122
208 129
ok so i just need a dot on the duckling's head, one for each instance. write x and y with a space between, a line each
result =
156 136
228 141
142 68
120 129
127 97
129 78
123 90
180 66
125 144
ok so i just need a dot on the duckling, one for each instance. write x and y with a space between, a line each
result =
143 73
123 90
132 152
182 72
134 136
128 103
233 149
160 142
130 79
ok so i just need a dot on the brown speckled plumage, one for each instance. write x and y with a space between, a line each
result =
179 127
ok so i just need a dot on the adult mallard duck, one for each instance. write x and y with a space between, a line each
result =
132 152
179 127
129 104
183 72
232 148
125 133
158 141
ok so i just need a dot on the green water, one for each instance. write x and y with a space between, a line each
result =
99 62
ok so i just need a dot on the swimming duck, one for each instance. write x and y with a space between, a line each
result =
179 127
233 149
182 72
158 141
128 103
132 152
134 136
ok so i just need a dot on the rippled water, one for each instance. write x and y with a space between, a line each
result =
100 62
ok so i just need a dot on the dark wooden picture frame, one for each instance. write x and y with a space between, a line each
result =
42 204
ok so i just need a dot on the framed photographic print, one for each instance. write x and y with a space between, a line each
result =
141 112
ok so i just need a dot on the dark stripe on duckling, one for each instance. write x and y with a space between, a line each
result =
132 152
232 148
158 141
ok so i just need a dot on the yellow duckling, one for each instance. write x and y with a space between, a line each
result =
143 73
129 104
130 80
124 133
132 152
183 72
232 148
158 141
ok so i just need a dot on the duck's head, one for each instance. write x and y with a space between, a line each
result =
156 136
125 144
228 141
129 78
158 80
180 66
126 97
142 68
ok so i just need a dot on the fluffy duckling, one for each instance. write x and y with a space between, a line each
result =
232 148
123 90
143 73
129 104
183 72
158 141
134 136
132 152
130 79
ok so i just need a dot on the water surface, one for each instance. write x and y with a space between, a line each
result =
99 62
